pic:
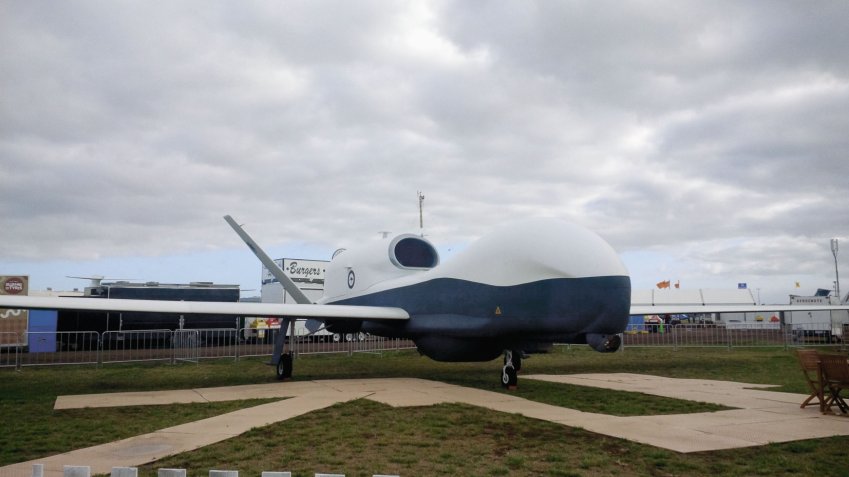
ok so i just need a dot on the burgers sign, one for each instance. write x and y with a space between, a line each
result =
14 286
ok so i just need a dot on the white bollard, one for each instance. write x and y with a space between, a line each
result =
276 474
171 473
125 472
223 473
38 470
76 471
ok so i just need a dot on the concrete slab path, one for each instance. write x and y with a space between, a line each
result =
762 416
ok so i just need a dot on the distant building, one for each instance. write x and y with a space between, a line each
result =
834 318
122 321
741 296
13 323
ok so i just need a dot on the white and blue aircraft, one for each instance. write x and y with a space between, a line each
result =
516 291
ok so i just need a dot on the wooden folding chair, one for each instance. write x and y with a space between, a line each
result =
834 369
809 361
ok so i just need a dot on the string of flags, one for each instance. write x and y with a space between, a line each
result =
667 284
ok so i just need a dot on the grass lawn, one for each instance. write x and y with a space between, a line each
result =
364 438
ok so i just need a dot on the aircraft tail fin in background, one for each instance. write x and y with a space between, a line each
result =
272 267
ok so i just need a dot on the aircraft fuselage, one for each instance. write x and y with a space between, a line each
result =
524 287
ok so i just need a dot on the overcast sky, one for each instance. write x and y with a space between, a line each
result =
708 142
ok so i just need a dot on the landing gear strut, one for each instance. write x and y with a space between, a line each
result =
281 358
510 371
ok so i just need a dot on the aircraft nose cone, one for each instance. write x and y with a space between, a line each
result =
613 303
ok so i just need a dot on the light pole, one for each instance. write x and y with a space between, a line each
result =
421 217
836 274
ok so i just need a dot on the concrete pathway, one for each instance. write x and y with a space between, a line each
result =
763 416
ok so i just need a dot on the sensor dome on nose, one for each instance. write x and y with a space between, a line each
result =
412 252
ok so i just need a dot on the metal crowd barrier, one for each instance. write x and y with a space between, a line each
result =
60 347
136 345
9 349
253 342
261 343
89 347
187 345
214 343
730 335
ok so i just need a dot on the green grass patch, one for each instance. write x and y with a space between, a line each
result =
364 438
414 441
32 429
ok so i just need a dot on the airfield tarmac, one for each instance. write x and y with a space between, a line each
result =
761 416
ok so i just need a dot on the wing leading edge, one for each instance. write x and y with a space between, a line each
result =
290 310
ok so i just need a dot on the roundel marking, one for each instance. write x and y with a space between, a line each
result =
351 279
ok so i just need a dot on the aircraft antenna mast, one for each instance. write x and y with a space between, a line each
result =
836 274
421 216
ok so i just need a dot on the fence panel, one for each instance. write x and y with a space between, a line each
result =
45 348
9 352
663 335
305 343
755 334
394 344
820 334
379 344
217 343
253 342
185 345
731 335
366 343
685 335
137 345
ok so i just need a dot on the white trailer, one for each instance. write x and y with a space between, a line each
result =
824 325
308 275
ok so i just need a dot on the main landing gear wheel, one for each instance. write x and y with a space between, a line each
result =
284 366
510 371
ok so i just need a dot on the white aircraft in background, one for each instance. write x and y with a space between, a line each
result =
516 291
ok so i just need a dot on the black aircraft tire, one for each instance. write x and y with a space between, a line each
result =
284 367
281 370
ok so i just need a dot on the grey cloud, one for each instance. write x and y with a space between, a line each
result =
699 127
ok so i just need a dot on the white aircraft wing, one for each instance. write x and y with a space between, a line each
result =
335 312
687 309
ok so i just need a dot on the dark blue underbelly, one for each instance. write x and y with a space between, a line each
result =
538 310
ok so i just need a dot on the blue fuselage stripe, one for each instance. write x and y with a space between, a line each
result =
552 307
